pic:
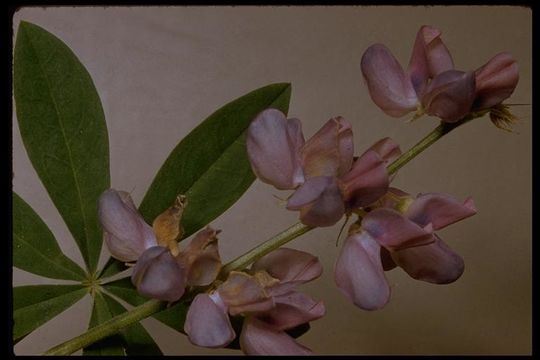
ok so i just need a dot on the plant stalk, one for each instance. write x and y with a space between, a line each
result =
151 307
266 247
108 328
427 141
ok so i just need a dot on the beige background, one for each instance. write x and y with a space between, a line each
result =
160 70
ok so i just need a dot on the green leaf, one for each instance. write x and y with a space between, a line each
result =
63 130
19 339
132 340
34 247
111 268
136 338
210 165
111 345
173 316
124 289
34 305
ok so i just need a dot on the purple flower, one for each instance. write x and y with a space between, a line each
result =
125 232
320 170
401 234
161 271
496 80
431 84
268 300
158 275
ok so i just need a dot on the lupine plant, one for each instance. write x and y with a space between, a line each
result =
167 245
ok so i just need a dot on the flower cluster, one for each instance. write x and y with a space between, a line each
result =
394 229
399 231
327 183
267 298
431 85
161 271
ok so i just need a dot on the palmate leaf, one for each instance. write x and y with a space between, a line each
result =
132 340
210 165
111 268
34 247
108 346
34 305
63 130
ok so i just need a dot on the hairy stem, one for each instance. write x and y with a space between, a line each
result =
151 307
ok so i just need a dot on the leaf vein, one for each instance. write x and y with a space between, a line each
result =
70 156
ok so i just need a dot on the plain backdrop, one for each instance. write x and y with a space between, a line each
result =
161 70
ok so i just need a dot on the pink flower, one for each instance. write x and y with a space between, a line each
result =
161 271
268 300
431 84
320 170
496 81
401 234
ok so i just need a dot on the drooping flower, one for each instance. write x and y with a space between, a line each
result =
321 170
161 271
496 80
400 233
267 298
431 84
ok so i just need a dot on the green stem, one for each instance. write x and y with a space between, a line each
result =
429 139
266 247
140 312
108 328
151 307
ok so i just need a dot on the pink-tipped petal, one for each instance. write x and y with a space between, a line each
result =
450 95
496 80
330 151
359 273
389 87
439 209
259 338
308 192
296 142
242 293
293 309
429 58
434 263
272 146
394 231
158 275
367 181
126 234
202 258
327 208
290 266
387 149
207 324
